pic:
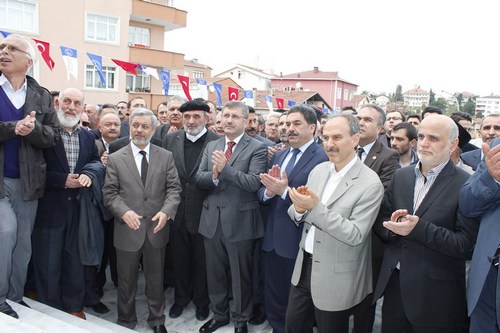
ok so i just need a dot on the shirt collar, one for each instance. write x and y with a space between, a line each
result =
136 150
193 138
5 83
236 140
345 169
434 172
305 146
367 147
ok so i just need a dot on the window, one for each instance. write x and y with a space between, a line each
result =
141 82
339 93
102 28
346 95
92 79
19 15
137 35
198 74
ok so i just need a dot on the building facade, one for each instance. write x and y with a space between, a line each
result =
488 105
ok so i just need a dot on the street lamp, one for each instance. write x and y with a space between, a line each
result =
455 97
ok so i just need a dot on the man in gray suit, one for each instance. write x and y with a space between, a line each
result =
142 190
333 270
231 220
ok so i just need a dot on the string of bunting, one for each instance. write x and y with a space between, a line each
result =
70 59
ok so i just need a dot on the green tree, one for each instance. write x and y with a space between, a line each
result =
469 107
440 103
398 95
432 97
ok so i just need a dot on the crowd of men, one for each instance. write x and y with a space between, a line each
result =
299 218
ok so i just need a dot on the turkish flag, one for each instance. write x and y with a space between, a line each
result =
127 66
233 93
280 102
44 49
184 80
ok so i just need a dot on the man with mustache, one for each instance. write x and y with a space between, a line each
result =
28 124
489 130
58 268
427 238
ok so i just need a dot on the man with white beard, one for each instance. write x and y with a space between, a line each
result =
72 164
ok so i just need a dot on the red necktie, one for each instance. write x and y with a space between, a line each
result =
229 150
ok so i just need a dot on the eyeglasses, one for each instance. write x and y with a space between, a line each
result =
394 118
12 48
232 116
121 107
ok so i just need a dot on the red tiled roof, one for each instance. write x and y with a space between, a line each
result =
415 91
297 96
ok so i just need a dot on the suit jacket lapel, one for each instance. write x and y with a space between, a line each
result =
154 158
84 149
61 155
345 183
178 151
436 190
239 148
372 155
200 156
128 157
302 162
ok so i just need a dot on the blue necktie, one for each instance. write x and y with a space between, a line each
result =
291 163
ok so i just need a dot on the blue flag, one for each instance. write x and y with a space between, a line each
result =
218 93
165 78
291 103
4 33
97 61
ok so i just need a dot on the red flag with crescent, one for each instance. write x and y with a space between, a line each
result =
280 102
127 66
233 93
44 49
184 80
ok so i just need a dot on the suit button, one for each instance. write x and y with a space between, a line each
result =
145 199
307 230
187 184
69 198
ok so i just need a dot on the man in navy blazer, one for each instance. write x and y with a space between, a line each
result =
282 235
489 130
59 273
480 197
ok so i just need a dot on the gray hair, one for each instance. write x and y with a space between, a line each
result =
237 105
31 50
177 98
143 112
377 108
453 131
351 120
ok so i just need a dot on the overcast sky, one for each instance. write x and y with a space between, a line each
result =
377 44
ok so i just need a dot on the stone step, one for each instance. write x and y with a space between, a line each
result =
53 320
12 325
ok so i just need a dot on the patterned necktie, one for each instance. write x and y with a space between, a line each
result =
144 167
291 162
360 152
229 150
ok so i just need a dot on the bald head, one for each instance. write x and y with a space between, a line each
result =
437 139
109 126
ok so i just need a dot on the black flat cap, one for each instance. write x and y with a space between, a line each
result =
194 105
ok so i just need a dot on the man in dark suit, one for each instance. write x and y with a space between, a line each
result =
384 162
58 270
282 236
480 197
428 239
189 265
231 219
142 190
489 130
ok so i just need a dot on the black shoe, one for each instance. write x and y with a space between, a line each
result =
160 329
5 308
175 310
258 316
99 308
242 329
202 313
212 325
23 303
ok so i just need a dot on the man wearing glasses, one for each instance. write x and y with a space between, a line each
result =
28 124
392 119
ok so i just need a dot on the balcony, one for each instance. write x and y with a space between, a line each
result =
153 13
156 58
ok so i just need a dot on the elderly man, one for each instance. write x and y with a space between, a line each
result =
186 243
338 207
272 126
142 191
423 273
231 219
28 124
93 113
58 265
480 197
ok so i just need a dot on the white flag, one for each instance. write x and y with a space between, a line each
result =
70 61
150 71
